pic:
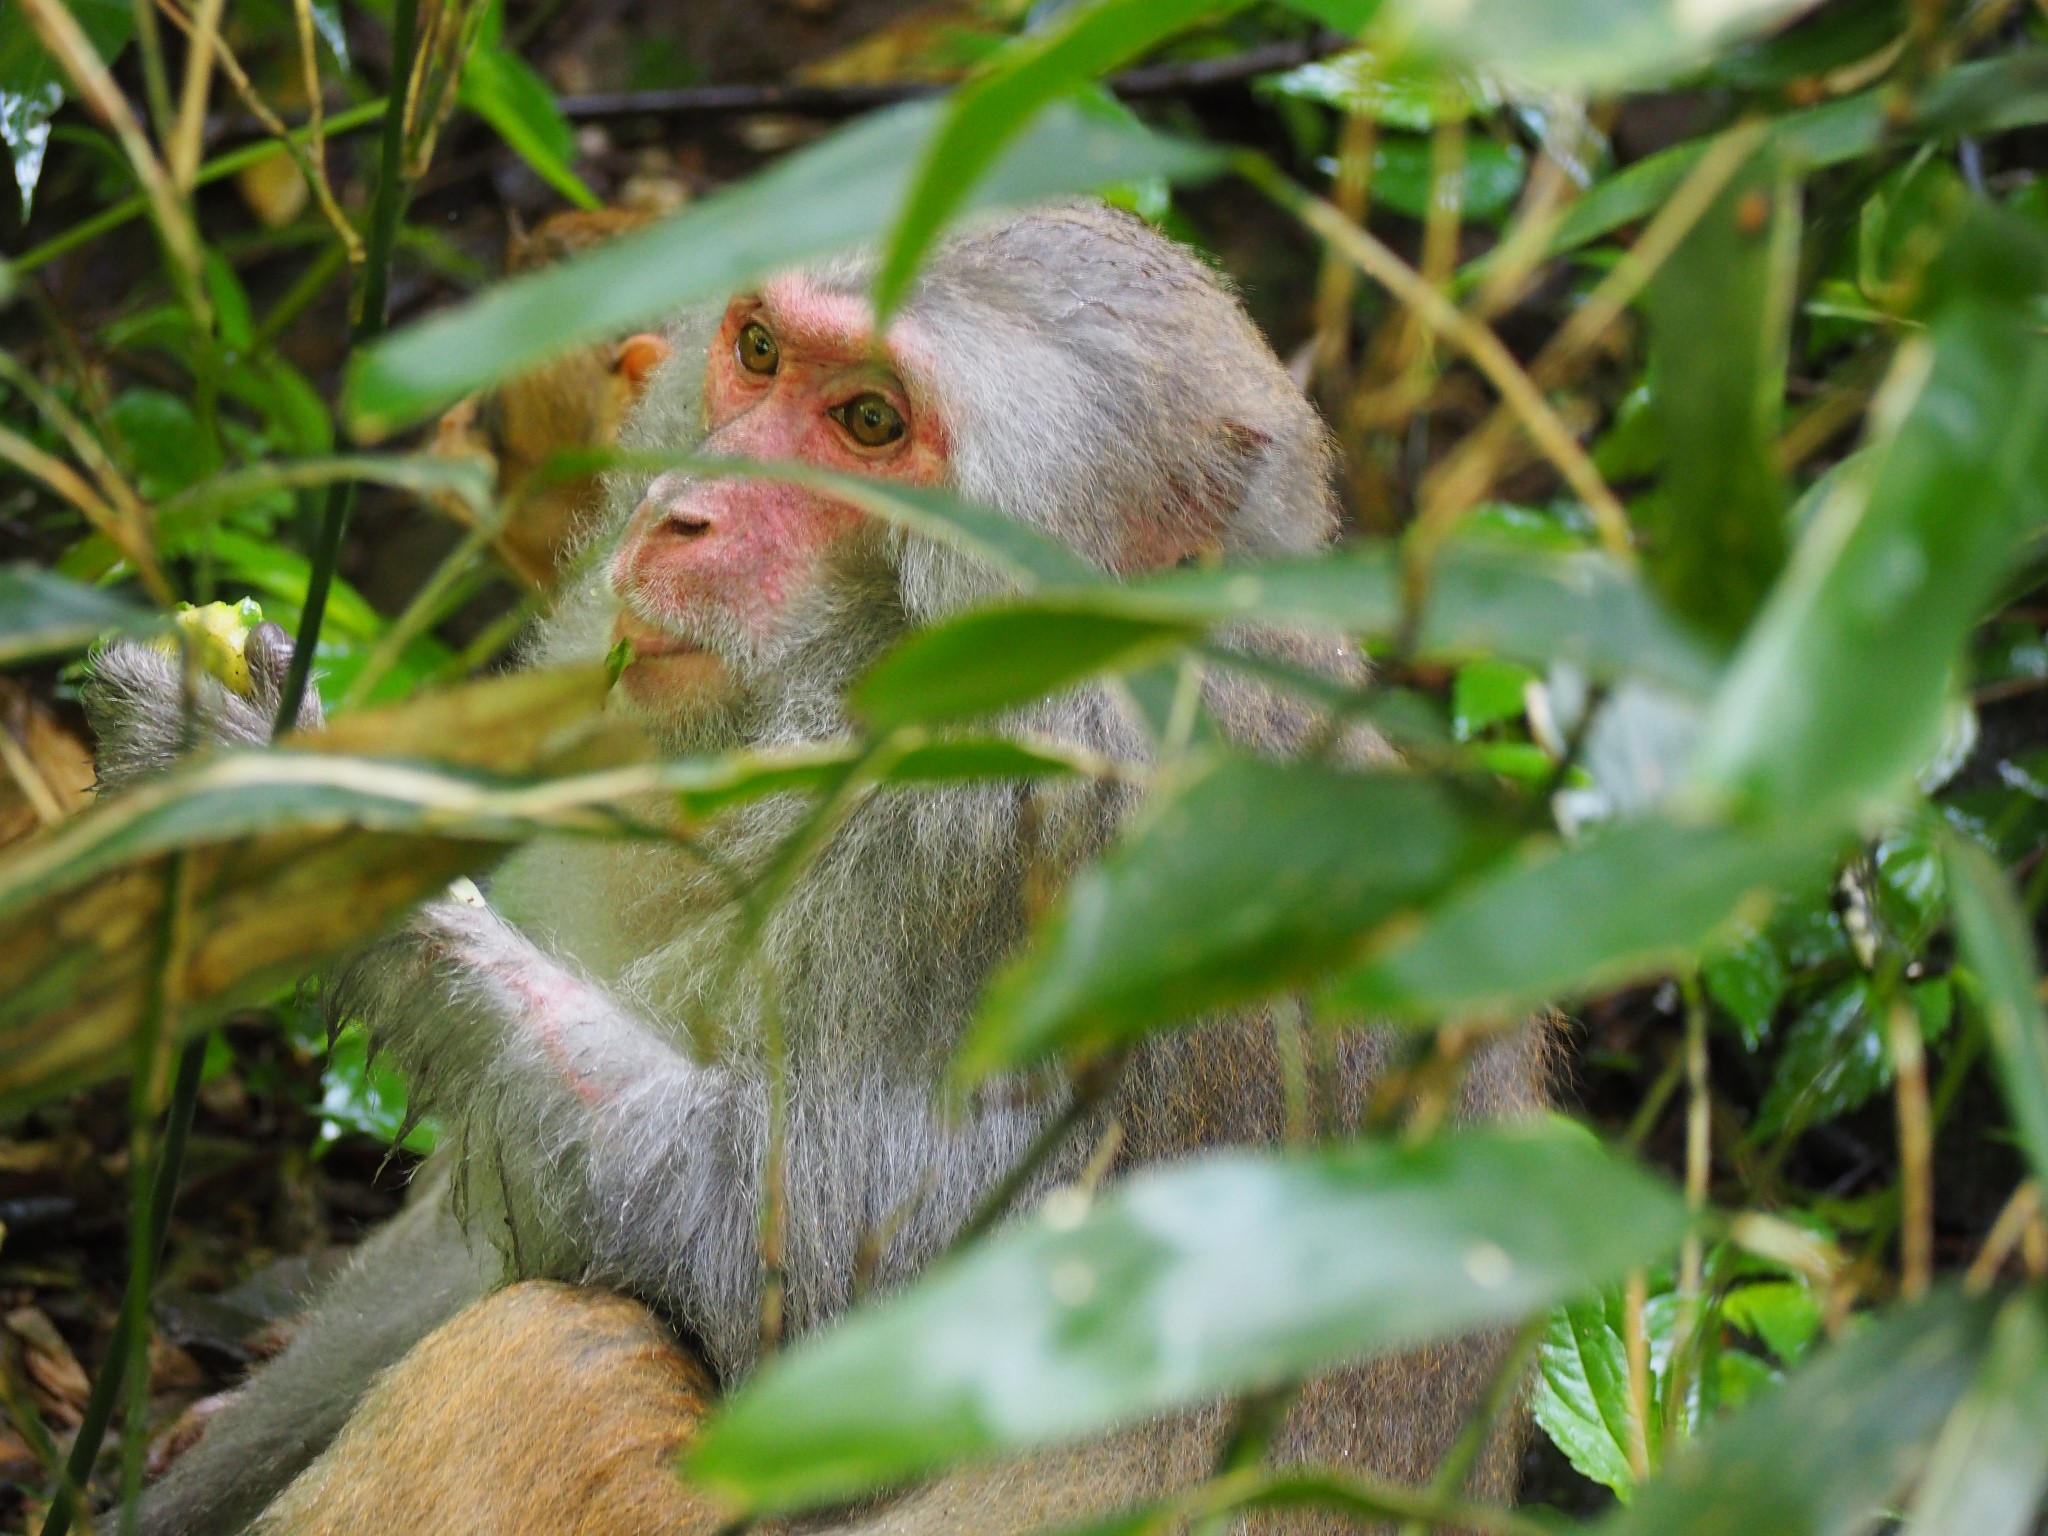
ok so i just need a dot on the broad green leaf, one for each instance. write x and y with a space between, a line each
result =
1238 1271
1785 1314
1483 599
1821 1456
1840 691
1833 1059
1720 311
989 111
1581 1395
1747 979
1990 1467
843 191
1402 93
503 90
1245 878
1590 45
1628 900
42 614
33 86
1489 179
1998 947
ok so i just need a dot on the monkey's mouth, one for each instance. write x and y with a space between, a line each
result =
662 664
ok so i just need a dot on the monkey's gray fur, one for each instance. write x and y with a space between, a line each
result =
1090 374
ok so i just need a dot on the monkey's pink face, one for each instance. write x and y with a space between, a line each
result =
711 574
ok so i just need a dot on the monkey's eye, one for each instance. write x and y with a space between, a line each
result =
757 350
872 421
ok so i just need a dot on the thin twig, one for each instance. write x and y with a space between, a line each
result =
372 315
2021 1207
1476 341
1093 1084
1337 280
188 134
1916 1147
1635 1337
66 41
314 172
316 135
72 486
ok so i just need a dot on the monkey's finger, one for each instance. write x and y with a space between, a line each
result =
269 654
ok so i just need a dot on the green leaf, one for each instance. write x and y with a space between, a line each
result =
1720 312
1747 979
1997 945
1237 1271
989 111
841 192
1403 93
1590 45
1977 98
1840 691
42 614
1489 180
1628 900
503 90
368 1097
1484 598
33 87
1785 1314
1487 693
1821 1456
1246 877
1834 1058
1581 1395
1990 1467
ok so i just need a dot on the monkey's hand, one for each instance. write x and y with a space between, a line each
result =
144 719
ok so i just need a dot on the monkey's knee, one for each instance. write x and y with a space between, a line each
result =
542 1407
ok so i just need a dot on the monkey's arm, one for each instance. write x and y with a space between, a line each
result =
619 1158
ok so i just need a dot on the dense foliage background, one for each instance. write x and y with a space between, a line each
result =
1688 357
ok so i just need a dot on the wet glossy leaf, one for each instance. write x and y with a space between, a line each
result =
1581 1395
1233 1272
1720 312
42 614
1841 689
1748 980
1626 901
1770 1470
1834 1058
1247 877
33 87
987 113
1990 1467
1403 93
849 188
1998 947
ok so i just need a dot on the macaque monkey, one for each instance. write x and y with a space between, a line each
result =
576 400
1086 375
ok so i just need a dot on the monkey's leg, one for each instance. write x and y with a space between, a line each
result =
544 1408
401 1284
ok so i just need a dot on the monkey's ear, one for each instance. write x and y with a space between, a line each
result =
1208 490
639 356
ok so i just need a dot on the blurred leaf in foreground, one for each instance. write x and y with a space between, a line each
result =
848 188
1238 1271
43 614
